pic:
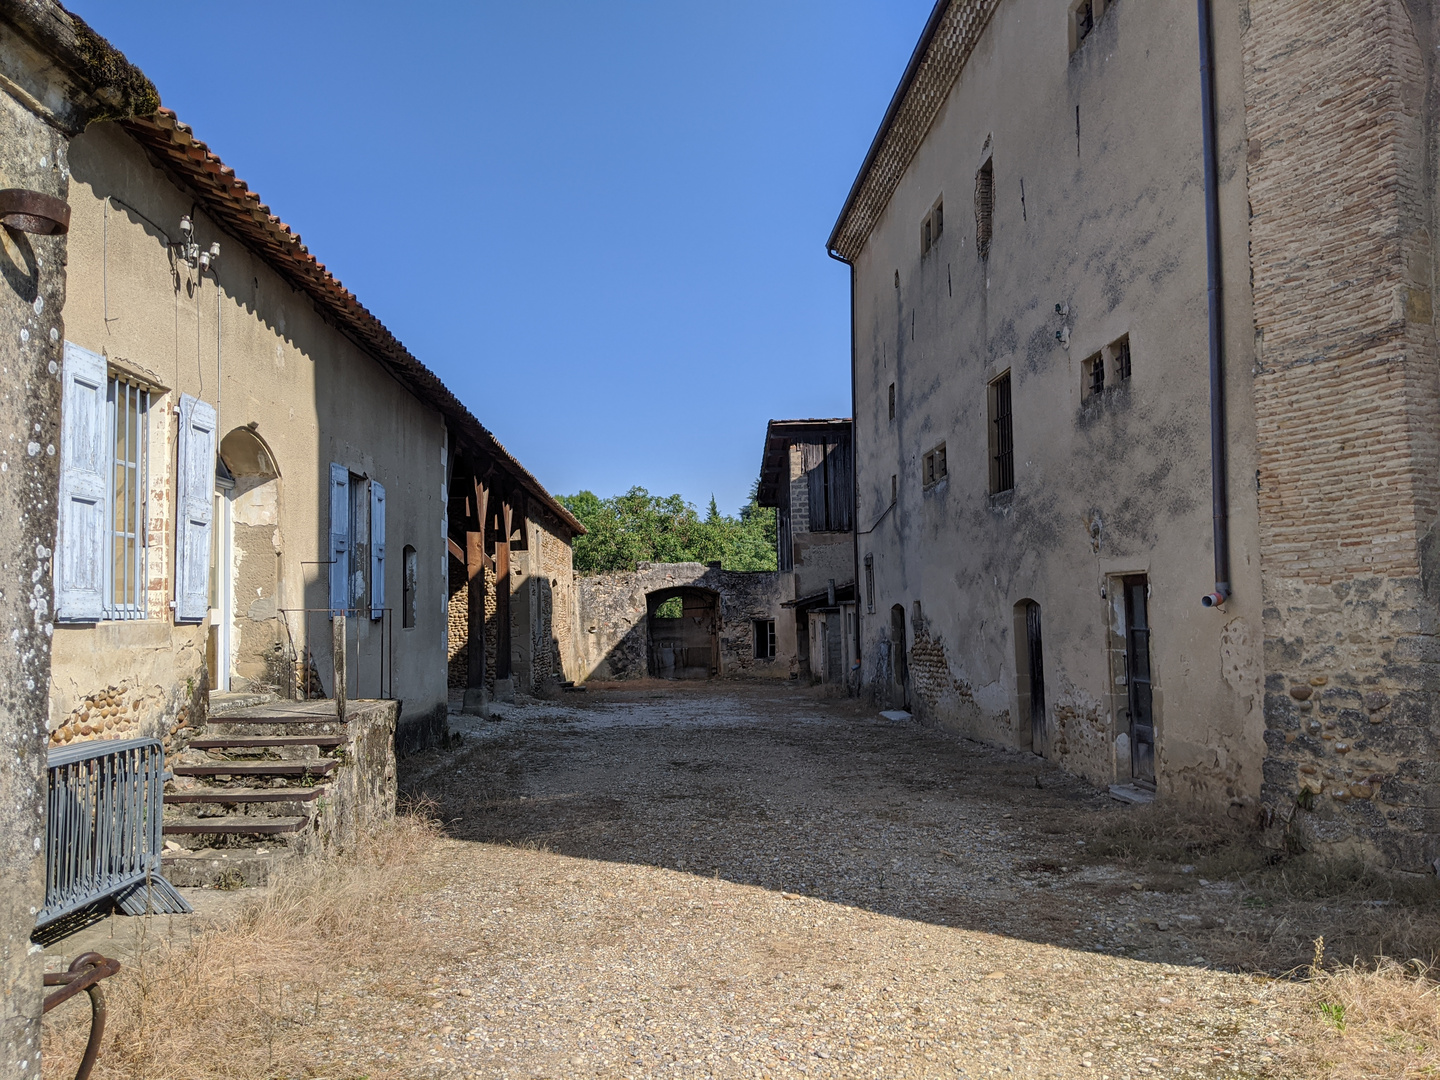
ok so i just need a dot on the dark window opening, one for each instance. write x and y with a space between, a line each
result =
894 489
935 466
764 639
939 218
892 401
925 238
1084 20
984 207
407 617
1002 436
870 583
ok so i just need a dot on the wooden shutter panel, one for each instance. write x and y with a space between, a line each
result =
80 554
196 509
339 539
842 485
377 549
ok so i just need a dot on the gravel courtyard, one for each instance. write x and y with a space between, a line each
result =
749 881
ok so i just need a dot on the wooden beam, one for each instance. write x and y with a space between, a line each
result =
475 561
502 592
456 551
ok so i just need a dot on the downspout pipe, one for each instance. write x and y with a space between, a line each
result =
1215 295
854 467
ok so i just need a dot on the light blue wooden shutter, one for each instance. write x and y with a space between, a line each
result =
339 539
80 554
377 549
196 509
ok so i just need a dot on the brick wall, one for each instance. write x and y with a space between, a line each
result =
1346 410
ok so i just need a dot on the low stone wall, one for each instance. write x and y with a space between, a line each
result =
614 613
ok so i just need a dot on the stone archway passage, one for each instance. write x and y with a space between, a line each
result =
684 634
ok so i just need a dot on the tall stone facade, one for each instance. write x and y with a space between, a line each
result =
1340 126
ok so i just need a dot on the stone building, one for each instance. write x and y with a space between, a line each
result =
806 474
1143 315
684 621
56 78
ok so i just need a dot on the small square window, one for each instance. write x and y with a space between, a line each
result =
892 401
925 237
939 217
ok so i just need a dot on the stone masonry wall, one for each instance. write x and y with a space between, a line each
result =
614 613
1346 404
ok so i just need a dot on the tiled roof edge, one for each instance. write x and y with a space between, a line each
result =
945 45
238 210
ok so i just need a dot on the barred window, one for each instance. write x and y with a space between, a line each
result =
127 410
1002 436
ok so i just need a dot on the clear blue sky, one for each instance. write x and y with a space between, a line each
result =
602 223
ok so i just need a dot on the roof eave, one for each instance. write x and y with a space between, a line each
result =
937 13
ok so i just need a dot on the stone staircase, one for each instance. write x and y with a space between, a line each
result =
259 781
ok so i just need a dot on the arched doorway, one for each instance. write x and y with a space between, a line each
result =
1030 677
245 651
899 660
684 626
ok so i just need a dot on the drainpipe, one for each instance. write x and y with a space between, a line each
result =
1218 464
854 467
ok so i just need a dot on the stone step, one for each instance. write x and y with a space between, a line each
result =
312 767
262 742
238 795
210 869
234 825
223 702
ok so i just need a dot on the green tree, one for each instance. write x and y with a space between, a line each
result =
639 527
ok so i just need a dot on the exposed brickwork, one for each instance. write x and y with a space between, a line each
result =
1346 411
960 28
934 690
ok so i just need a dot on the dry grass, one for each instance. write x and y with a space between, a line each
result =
1379 1020
1365 913
240 1000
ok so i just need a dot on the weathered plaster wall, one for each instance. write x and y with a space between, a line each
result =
1109 224
614 612
262 354
32 297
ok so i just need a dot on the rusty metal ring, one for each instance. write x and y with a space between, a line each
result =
85 973
34 212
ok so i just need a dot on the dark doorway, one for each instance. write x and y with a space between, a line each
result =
1035 656
684 643
899 662
1138 680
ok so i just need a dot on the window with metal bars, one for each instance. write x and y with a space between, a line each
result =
1120 358
984 207
870 584
127 410
892 401
1093 372
1002 436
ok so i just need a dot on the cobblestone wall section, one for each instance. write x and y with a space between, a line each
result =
1347 418
614 612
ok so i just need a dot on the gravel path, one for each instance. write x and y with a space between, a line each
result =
755 882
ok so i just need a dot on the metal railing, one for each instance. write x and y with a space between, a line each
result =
368 663
104 807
